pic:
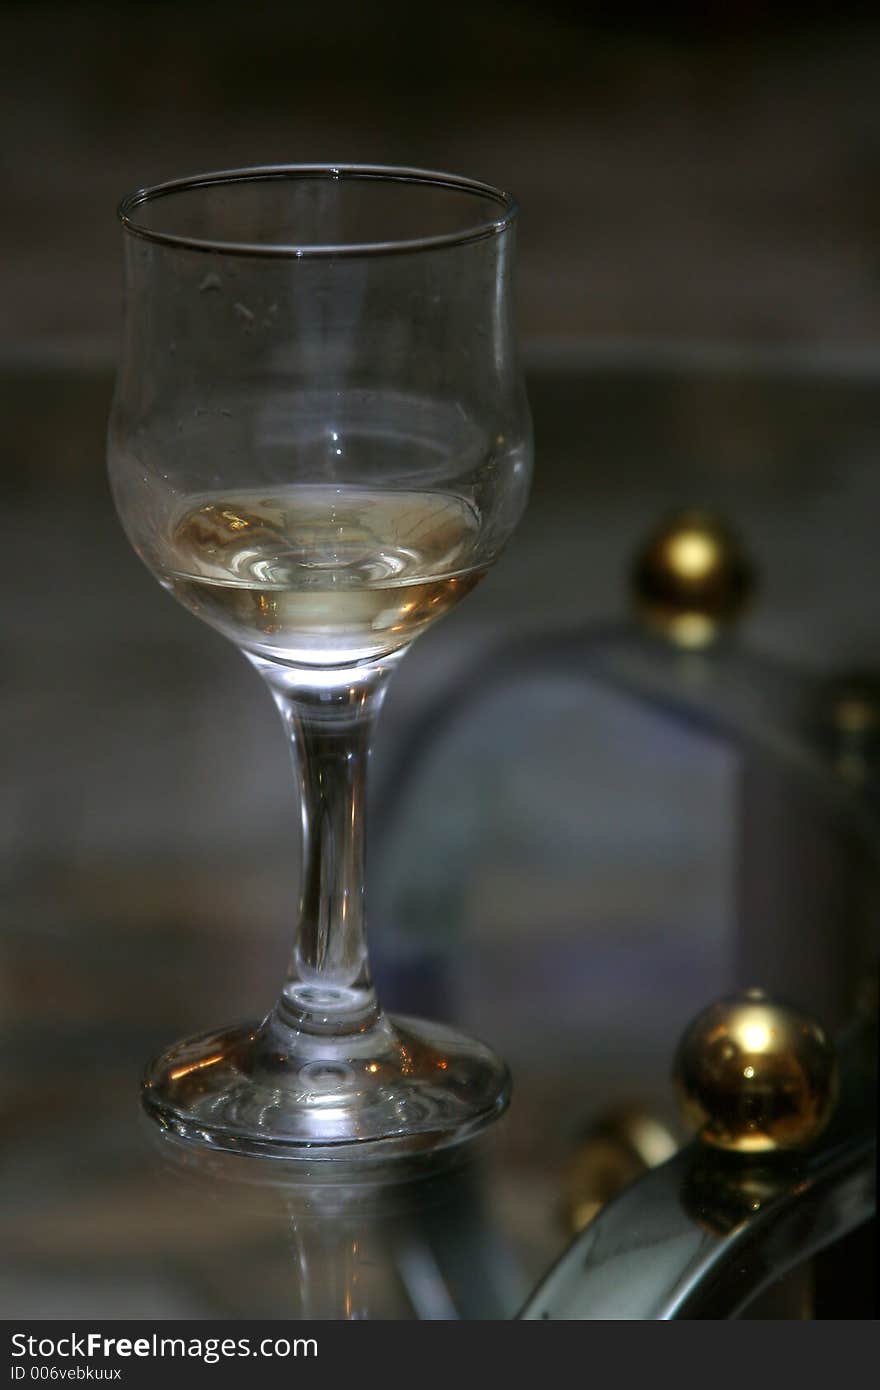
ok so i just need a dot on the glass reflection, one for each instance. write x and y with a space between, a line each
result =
401 1239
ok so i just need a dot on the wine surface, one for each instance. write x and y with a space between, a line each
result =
322 575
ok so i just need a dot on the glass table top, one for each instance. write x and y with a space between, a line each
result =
150 850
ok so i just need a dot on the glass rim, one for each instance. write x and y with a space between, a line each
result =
479 231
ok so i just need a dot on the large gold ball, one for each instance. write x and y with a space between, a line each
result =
754 1076
692 579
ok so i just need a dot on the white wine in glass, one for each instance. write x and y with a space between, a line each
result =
323 576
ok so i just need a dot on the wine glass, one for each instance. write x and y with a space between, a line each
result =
319 443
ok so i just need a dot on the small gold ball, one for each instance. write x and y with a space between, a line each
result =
618 1147
691 579
849 723
754 1076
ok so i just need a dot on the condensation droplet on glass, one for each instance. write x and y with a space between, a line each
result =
245 315
210 282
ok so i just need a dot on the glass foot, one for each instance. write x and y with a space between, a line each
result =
400 1087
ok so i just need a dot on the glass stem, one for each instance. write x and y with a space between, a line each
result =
329 718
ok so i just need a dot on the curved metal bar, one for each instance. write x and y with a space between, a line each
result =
713 691
705 1233
647 1256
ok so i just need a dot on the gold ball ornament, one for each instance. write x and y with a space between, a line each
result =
755 1076
849 723
618 1147
692 579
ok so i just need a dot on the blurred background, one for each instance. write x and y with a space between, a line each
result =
570 871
